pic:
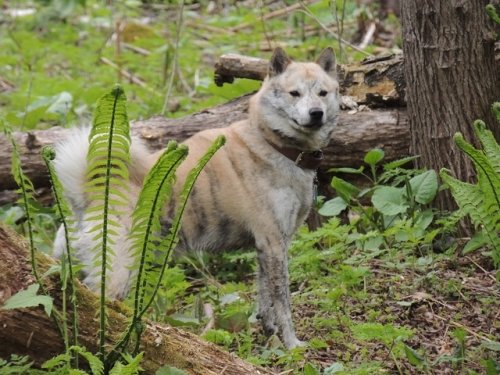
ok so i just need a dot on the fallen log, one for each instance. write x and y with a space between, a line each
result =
355 135
29 331
377 82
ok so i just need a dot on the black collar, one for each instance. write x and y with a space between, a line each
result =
303 159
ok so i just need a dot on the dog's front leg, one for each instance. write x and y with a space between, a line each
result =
274 293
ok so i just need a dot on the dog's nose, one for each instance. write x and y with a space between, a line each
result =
316 114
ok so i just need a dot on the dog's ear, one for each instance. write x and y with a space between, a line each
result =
279 62
327 61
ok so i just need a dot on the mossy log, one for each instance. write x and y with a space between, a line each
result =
29 331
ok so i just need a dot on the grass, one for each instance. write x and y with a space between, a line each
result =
59 60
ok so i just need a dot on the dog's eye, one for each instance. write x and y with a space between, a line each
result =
323 93
295 93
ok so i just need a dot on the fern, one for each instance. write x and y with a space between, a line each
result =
26 191
145 231
481 201
147 244
64 213
170 241
156 191
107 176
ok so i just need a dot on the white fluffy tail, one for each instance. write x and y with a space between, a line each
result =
70 165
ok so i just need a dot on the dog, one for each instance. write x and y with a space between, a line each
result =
254 192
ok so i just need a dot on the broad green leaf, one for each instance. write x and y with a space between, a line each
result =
424 186
424 219
333 207
29 298
398 163
389 200
309 369
348 170
476 242
372 157
345 189
334 368
413 357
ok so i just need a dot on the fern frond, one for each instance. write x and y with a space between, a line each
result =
488 177
483 212
107 182
26 192
64 213
156 191
490 147
170 241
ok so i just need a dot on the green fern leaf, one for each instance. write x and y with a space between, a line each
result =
490 147
64 213
156 191
26 192
473 202
170 241
107 183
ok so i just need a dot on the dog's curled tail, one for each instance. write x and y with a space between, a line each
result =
70 165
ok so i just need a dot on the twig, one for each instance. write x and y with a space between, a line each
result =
131 77
481 268
209 313
138 50
368 36
176 55
464 327
306 10
276 13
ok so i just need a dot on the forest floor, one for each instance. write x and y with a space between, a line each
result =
395 312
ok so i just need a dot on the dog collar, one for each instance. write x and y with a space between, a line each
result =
303 159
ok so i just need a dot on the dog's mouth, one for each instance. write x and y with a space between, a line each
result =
312 125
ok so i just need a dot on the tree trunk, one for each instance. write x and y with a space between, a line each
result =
452 79
31 332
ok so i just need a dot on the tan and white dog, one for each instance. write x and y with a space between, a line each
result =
255 192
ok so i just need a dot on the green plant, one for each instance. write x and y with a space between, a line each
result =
67 270
398 198
481 201
108 156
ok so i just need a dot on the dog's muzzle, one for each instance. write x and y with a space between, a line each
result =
315 118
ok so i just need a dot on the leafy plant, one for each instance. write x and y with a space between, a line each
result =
106 186
398 197
67 269
481 201
26 192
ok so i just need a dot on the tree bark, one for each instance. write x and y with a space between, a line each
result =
355 135
452 79
30 331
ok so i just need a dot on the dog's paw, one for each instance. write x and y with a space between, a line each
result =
292 342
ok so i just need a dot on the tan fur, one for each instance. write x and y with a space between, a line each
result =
249 194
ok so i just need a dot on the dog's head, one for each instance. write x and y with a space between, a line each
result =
299 102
